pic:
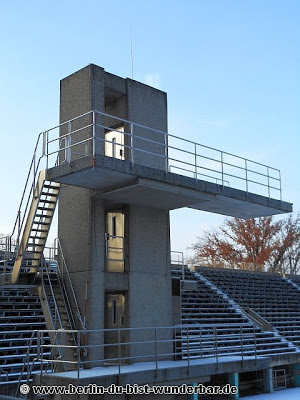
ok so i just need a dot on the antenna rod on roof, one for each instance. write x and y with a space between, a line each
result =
131 51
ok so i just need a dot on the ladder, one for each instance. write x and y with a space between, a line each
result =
37 226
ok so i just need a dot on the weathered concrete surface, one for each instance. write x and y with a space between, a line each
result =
170 373
82 213
121 181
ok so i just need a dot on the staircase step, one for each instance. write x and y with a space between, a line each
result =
50 186
48 201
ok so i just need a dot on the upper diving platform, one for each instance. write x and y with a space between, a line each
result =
126 162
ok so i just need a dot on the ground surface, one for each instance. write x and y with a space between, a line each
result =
287 394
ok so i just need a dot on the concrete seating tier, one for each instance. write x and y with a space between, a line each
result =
212 324
21 313
273 297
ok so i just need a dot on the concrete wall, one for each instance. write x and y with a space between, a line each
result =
147 106
150 298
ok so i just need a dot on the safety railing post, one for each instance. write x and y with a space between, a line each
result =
78 355
196 171
188 345
200 341
242 344
222 168
166 153
268 176
246 172
47 150
131 144
216 345
156 350
38 348
280 185
255 348
19 228
41 353
119 353
33 171
94 136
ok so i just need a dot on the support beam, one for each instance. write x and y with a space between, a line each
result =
297 375
268 380
233 379
193 396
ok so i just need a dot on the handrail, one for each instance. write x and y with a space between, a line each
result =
180 261
263 180
178 343
270 179
26 363
66 271
44 268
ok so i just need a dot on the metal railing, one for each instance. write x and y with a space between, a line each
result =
85 136
182 343
65 282
177 258
168 151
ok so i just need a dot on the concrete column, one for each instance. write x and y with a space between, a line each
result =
268 380
233 379
297 375
193 396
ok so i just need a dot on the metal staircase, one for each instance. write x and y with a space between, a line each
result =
37 226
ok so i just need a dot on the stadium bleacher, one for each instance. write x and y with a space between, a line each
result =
207 306
271 296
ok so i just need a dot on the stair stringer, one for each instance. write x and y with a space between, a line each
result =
37 225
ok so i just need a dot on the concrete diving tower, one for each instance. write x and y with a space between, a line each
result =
123 152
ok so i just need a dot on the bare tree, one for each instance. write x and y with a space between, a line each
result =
259 244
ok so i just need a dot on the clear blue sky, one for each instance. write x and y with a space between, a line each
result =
230 68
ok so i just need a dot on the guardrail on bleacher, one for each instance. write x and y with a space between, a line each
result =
123 346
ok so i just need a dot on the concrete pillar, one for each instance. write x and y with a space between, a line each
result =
297 375
233 379
193 396
268 380
146 282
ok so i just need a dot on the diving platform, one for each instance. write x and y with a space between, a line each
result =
122 181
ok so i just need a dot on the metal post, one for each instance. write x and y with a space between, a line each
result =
119 353
47 150
156 353
268 175
222 168
196 173
216 346
242 344
246 171
78 356
131 143
19 228
166 153
255 348
38 349
200 341
34 166
188 346
94 134
280 185
41 353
